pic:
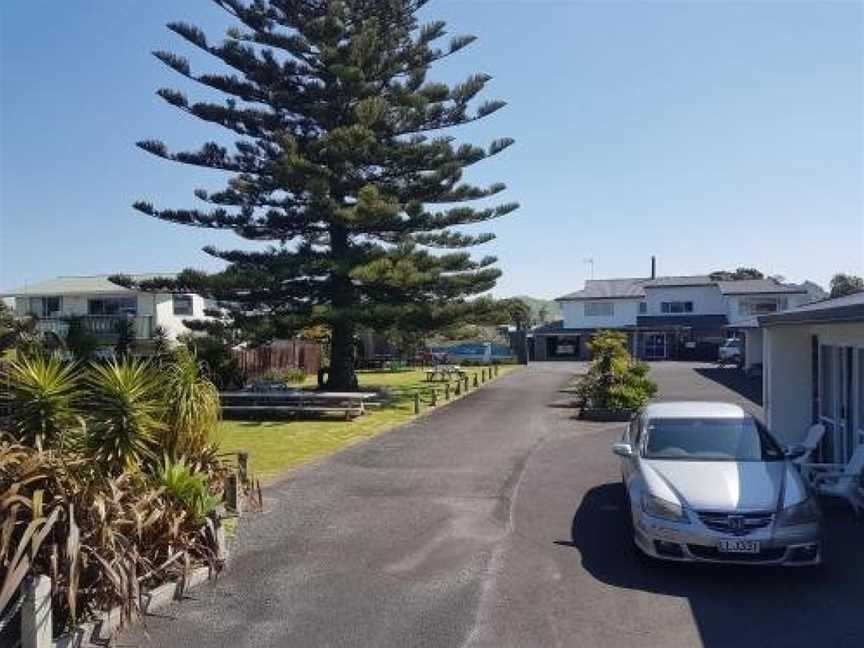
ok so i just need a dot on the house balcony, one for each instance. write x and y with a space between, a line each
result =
103 327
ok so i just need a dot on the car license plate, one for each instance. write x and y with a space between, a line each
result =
738 546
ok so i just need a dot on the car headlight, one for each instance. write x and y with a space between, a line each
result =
806 512
664 509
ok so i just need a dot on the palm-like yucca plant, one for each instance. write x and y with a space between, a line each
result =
192 405
42 392
127 409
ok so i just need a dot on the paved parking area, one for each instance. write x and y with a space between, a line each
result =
496 522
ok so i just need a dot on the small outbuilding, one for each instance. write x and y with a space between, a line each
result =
813 372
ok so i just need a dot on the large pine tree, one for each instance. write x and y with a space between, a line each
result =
343 166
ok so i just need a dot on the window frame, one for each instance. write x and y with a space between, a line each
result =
607 308
682 307
178 297
124 306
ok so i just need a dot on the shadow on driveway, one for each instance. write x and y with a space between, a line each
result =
736 606
736 381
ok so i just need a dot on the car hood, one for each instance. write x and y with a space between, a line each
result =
717 485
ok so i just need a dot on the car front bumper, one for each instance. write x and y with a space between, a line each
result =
799 545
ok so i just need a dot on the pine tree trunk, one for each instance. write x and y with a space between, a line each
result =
341 376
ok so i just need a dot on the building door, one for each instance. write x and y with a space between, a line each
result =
655 346
837 403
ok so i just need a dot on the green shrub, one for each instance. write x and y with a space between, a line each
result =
614 380
188 487
192 404
80 342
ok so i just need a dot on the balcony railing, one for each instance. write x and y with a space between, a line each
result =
103 326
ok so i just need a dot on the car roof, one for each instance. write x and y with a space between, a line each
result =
694 409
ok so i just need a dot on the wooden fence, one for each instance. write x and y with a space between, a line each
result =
280 356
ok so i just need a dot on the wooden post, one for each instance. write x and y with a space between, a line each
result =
36 614
496 370
416 403
459 387
232 495
243 466
483 375
447 391
466 383
476 382
434 397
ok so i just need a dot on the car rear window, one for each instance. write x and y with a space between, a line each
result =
710 439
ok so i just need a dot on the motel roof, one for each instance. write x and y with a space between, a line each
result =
840 309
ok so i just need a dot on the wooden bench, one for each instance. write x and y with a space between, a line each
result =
292 411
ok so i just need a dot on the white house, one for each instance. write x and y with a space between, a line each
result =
813 372
664 317
101 305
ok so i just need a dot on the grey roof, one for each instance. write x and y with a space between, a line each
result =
687 280
635 287
608 289
841 309
79 285
758 286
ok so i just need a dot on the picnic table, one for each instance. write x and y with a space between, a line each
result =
295 402
446 372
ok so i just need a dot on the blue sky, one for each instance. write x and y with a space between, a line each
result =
710 134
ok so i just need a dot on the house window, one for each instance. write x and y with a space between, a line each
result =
182 304
761 305
643 308
46 306
676 307
112 306
599 309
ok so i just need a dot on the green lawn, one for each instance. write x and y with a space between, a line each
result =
276 447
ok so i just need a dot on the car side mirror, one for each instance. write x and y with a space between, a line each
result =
794 450
622 449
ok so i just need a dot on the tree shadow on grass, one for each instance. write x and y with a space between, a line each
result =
735 606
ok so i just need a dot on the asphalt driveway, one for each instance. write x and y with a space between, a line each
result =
497 522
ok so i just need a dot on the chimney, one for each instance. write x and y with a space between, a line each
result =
653 267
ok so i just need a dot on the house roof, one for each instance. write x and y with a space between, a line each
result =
677 282
633 288
608 289
79 285
758 287
841 309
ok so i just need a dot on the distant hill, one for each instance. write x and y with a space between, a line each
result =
553 310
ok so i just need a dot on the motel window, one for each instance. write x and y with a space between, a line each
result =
676 307
112 306
182 304
599 309
643 308
861 389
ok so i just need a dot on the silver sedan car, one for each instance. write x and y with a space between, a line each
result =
706 482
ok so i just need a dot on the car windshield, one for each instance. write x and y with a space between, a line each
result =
710 439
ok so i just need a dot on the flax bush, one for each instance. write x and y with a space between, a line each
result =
108 479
